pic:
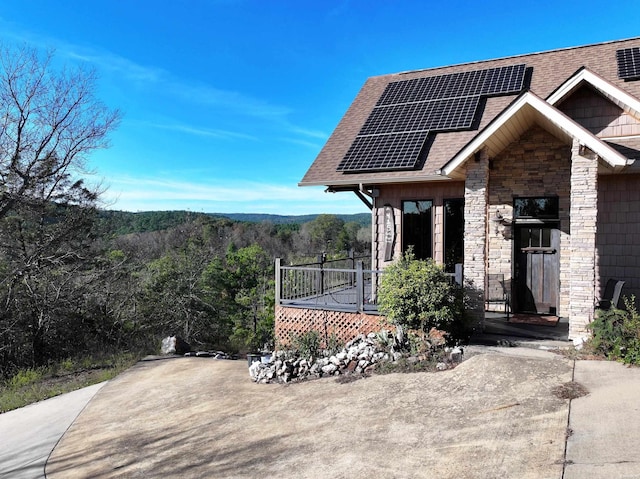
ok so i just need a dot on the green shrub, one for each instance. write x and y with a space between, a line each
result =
418 295
616 333
32 385
334 345
307 344
25 378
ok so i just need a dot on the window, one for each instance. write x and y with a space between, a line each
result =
453 233
417 227
536 208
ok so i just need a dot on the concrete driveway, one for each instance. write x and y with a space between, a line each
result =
494 416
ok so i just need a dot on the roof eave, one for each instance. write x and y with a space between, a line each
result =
559 119
377 181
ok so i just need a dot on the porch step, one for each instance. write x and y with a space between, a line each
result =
499 340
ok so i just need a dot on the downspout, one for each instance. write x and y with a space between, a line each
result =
361 192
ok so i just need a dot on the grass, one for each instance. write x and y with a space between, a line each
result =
32 385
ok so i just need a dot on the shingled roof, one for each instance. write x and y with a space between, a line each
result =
551 77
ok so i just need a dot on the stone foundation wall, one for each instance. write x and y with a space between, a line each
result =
345 325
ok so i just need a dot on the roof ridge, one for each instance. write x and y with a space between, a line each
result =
508 57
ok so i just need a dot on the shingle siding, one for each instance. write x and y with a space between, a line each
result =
618 231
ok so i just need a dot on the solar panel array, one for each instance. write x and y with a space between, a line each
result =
628 63
408 111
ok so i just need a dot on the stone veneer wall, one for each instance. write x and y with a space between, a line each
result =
475 230
538 164
584 213
345 325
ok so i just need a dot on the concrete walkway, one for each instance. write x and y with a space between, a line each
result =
29 434
604 439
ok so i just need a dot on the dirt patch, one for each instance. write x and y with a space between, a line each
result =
570 390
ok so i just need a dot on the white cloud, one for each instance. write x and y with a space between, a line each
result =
106 61
321 135
199 131
240 103
147 194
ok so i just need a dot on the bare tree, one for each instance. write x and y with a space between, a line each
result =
50 122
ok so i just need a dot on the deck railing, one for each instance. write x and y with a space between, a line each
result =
343 285
333 285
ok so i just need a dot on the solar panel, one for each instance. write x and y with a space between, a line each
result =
384 152
439 115
628 63
492 81
409 110
504 80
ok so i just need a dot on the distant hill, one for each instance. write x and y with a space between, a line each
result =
361 218
123 222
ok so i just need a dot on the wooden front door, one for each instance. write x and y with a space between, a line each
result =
536 268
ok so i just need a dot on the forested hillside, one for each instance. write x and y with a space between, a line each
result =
121 222
133 278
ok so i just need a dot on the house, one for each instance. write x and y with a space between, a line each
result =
526 167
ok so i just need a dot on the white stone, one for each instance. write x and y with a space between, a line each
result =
456 354
329 368
254 370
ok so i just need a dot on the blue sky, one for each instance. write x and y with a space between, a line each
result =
226 103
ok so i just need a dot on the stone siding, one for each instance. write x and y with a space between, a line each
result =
475 233
584 213
538 164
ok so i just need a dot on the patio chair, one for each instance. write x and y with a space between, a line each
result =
497 292
611 295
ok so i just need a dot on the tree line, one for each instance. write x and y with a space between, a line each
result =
75 279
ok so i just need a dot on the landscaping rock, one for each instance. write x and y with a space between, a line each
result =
174 345
329 368
168 345
361 355
182 346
